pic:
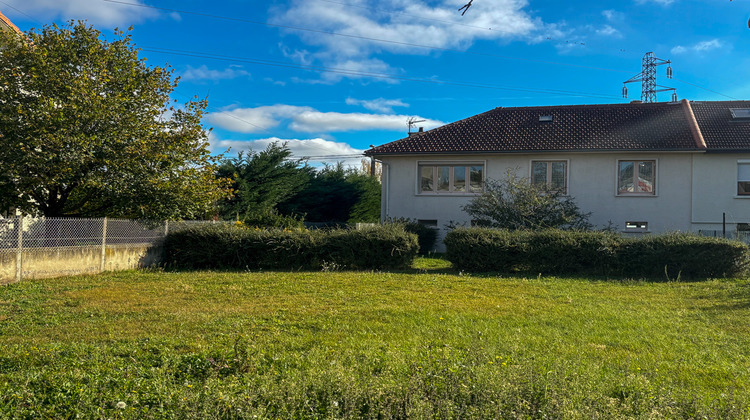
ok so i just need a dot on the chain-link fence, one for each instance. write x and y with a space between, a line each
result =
21 235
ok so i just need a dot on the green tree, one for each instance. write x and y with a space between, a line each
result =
88 129
515 203
337 194
261 180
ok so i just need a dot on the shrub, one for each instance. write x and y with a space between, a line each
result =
484 249
238 247
271 218
374 247
517 203
590 252
427 235
676 255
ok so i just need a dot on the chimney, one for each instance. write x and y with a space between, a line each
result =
421 130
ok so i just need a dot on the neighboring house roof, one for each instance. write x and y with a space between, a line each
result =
6 24
658 126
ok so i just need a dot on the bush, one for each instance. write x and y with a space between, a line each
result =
592 252
427 235
226 246
677 255
375 247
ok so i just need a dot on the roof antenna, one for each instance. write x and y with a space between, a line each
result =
465 7
412 121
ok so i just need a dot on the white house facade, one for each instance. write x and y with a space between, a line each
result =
681 166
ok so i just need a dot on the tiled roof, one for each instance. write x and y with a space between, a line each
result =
5 23
721 131
616 127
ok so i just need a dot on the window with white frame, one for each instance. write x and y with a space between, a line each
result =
743 177
458 178
552 173
636 177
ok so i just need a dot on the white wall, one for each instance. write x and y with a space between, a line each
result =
591 181
715 183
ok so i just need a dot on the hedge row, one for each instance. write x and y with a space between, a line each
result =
600 253
236 247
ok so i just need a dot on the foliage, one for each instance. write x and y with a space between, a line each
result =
595 252
677 255
370 345
230 246
336 194
427 235
87 130
261 180
272 219
515 203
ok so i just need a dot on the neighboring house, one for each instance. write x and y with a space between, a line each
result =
7 25
645 167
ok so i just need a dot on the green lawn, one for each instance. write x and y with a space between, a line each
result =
423 344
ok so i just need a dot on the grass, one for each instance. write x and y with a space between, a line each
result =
430 343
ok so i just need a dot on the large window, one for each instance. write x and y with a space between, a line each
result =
636 177
553 174
463 178
743 177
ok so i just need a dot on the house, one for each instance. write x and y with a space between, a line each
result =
7 25
644 167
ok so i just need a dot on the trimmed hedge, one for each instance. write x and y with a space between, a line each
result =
593 252
226 246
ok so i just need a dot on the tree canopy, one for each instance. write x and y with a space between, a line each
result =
261 180
88 129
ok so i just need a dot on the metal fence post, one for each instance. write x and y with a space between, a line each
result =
104 246
19 248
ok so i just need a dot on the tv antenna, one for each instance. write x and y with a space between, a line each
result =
647 77
412 121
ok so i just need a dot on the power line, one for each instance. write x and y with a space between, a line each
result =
706 89
401 43
388 41
367 74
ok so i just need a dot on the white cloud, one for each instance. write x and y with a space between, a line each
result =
702 46
95 12
612 15
319 149
309 120
204 73
378 105
608 30
662 2
403 22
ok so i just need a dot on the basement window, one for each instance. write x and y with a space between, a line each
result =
636 226
428 222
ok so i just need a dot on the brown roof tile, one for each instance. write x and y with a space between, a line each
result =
719 129
633 127
6 23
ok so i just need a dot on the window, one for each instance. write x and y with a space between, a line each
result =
463 178
428 222
553 174
740 113
636 177
743 178
636 226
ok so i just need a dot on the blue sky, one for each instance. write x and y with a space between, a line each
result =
334 76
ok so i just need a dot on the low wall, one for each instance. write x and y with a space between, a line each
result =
40 263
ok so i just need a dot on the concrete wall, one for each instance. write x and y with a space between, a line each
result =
54 262
692 189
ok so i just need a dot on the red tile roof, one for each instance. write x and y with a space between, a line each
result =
6 23
610 127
